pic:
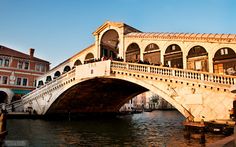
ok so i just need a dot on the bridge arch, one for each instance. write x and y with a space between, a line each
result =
132 53
109 44
106 95
197 59
152 54
224 61
173 56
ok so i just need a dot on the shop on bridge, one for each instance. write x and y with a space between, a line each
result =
225 61
152 54
132 53
173 56
197 59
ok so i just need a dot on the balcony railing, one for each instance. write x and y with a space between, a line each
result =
174 72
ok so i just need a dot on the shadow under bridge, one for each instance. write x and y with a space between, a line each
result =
96 95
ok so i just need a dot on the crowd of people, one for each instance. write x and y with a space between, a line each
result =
104 58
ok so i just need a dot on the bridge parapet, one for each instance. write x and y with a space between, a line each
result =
206 77
43 89
95 69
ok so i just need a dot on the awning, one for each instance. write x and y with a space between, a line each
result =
18 91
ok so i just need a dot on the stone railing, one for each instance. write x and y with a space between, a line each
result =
142 68
174 72
53 83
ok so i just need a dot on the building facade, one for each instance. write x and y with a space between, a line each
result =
18 73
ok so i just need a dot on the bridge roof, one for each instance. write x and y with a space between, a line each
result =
115 24
229 38
74 56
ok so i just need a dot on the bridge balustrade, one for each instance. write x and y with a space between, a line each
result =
180 73
49 85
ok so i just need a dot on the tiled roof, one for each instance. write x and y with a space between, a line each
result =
186 36
13 53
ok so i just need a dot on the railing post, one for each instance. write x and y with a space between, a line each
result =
173 72
202 77
148 69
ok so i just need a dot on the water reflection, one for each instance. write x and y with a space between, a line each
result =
158 128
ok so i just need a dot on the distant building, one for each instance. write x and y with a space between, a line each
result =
18 72
145 101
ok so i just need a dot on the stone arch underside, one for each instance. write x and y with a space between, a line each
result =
96 95
3 97
104 95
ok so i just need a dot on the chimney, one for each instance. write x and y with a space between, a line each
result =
31 53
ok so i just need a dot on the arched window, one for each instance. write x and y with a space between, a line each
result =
173 56
133 53
109 44
48 78
152 54
77 62
89 58
197 59
225 61
57 74
40 83
66 69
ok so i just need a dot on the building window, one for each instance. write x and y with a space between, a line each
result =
24 82
26 65
18 81
20 64
1 61
6 63
37 67
224 51
4 80
40 67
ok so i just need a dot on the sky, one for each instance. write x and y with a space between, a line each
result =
58 29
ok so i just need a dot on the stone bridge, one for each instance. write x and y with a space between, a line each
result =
106 85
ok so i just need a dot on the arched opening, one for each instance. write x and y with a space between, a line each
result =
132 53
224 61
48 79
57 74
66 69
3 97
77 62
197 59
152 54
109 44
173 56
89 58
40 83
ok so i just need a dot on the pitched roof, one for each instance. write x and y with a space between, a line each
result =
13 53
230 38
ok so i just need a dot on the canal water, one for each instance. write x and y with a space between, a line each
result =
157 128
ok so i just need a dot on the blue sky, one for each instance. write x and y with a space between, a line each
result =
58 29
